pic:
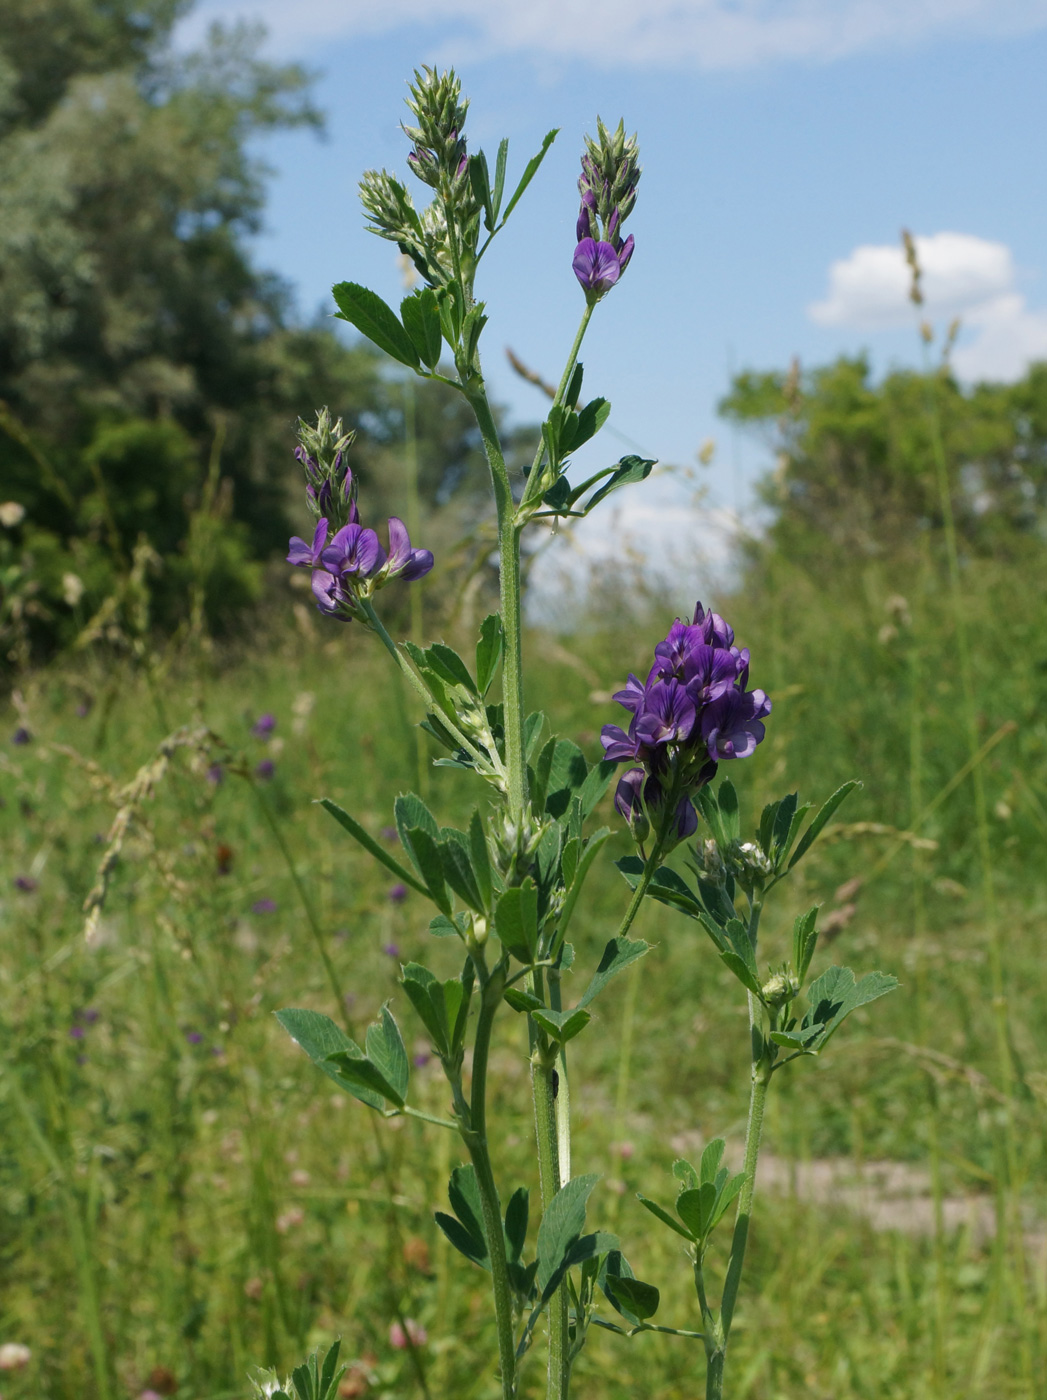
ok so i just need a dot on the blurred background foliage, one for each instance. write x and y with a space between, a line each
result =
137 339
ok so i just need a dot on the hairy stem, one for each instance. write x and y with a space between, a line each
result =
475 1138
760 1079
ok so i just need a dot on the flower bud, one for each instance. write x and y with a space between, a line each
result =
779 988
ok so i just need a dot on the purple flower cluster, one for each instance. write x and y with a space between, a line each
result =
347 559
607 185
692 712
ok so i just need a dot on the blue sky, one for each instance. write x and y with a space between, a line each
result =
784 144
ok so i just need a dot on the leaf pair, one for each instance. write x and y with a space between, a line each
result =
447 860
831 998
442 1006
374 1075
703 1198
465 1229
562 1026
562 498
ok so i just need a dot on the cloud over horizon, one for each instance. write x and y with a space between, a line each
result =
707 34
963 276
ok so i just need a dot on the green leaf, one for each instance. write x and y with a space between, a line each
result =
568 772
529 172
587 423
410 811
443 927
562 1223
669 887
562 1026
480 180
632 868
664 1216
499 175
812 833
363 1078
558 497
474 1249
421 318
329 1377
640 1299
767 819
685 1173
617 956
695 1208
727 799
833 996
711 1159
481 860
516 1213
373 318
428 857
488 651
456 857
371 845
596 784
463 1191
783 822
516 920
385 1050
797 1039
805 940
450 667
532 732
629 470
319 1037
520 1000
574 388
437 1003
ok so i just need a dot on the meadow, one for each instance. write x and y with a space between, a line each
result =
182 1196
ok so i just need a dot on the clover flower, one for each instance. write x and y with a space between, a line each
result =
349 564
692 712
607 186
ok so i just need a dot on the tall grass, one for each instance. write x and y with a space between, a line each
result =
177 1189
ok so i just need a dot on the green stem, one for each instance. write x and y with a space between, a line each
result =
760 1079
509 582
534 476
475 1138
543 1069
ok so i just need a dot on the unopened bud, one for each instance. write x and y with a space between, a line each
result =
780 988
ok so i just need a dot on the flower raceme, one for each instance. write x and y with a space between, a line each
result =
350 563
607 186
692 712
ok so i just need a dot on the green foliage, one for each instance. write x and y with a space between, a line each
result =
857 476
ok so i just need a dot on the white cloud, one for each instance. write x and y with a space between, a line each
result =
963 276
707 34
870 289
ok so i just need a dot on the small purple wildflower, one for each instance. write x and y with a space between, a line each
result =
397 894
21 736
405 562
391 950
598 266
389 833
216 775
89 1015
193 1037
264 906
692 713
420 1060
263 726
265 770
25 883
76 1032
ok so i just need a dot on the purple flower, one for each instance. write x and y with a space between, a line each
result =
631 698
263 726
731 724
76 1032
354 553
405 562
193 1037
391 950
397 894
303 555
90 1015
618 745
715 631
389 833
420 1060
667 715
598 266
265 770
332 596
21 736
264 906
216 774
708 672
25 883
628 799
